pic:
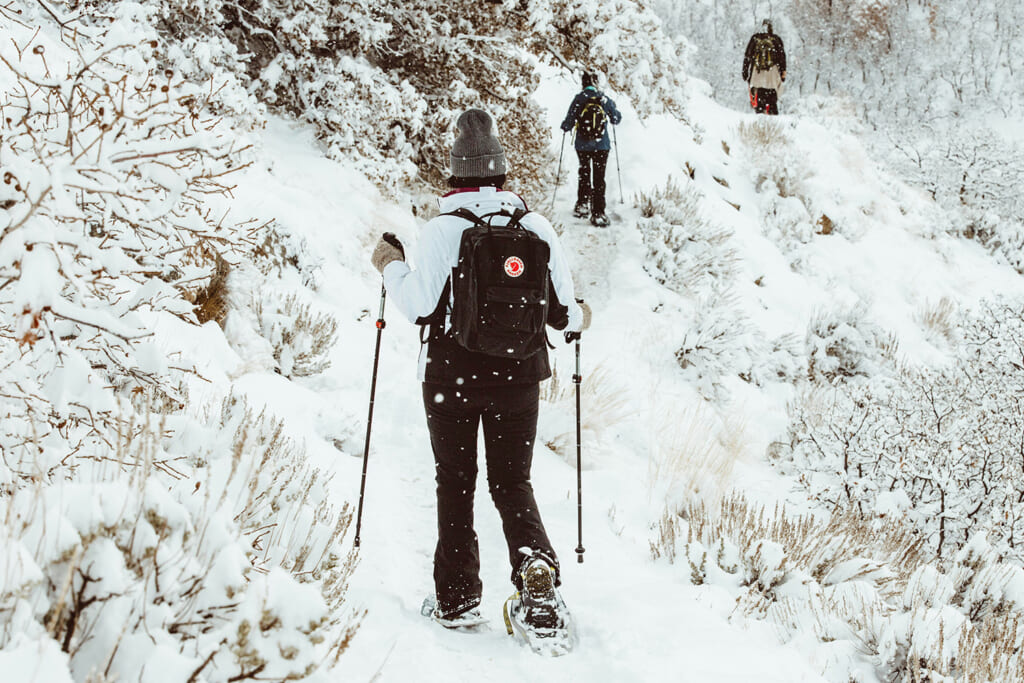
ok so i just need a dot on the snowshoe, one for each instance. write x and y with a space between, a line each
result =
538 615
581 209
467 620
599 219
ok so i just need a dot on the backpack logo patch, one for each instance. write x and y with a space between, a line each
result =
514 266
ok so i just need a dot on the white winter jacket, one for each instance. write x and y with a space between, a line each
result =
417 292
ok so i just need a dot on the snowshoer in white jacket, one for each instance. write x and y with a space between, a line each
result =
463 389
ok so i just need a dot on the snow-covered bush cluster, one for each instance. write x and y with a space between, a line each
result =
842 342
697 258
110 175
938 446
203 551
142 532
865 590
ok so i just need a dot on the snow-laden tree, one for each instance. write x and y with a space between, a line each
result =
140 527
383 82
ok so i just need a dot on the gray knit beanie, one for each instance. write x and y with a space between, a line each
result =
477 152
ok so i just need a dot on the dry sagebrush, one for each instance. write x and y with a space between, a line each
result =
865 588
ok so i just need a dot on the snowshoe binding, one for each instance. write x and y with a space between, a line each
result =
537 614
599 219
463 621
581 209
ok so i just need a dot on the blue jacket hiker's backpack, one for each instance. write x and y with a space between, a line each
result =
592 120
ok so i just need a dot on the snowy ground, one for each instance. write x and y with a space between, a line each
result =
639 620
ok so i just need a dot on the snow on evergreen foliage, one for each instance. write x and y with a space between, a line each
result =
138 530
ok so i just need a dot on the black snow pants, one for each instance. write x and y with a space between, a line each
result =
591 187
765 100
509 417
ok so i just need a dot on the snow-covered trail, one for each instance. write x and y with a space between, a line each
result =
638 620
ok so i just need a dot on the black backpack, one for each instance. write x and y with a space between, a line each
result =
764 52
592 120
500 287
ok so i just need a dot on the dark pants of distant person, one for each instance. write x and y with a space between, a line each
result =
592 186
765 100
509 418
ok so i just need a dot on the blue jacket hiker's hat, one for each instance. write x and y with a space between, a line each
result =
477 152
589 80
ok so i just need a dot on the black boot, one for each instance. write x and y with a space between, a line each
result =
581 209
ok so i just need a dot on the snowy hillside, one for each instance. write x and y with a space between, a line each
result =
639 619
762 281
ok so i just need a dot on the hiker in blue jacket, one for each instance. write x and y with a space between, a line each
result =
589 114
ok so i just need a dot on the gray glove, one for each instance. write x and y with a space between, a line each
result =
388 249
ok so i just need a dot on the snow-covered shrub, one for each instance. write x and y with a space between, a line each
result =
301 338
865 588
781 359
780 171
843 343
281 250
938 446
719 343
686 251
606 407
778 165
202 550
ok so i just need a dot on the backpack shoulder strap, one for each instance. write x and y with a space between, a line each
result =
513 222
463 212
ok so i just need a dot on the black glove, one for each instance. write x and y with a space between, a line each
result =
388 249
570 337
391 239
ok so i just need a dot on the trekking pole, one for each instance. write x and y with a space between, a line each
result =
369 420
618 171
577 378
558 174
